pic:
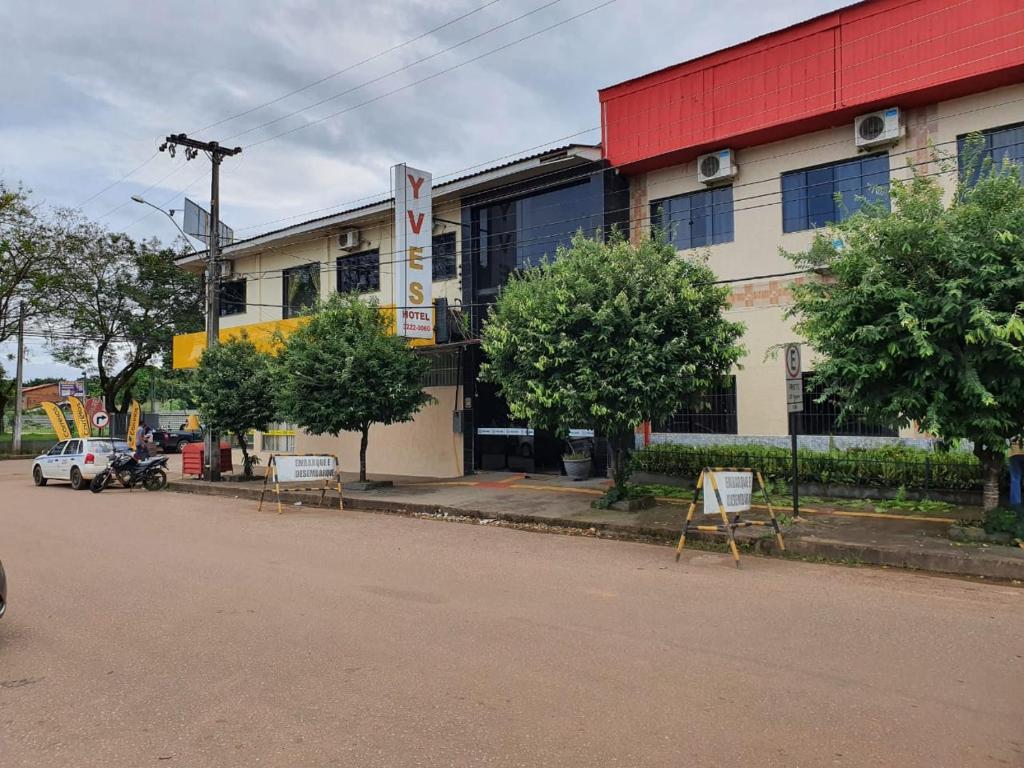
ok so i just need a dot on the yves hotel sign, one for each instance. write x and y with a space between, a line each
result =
412 274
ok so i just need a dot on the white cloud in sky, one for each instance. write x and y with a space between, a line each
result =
89 89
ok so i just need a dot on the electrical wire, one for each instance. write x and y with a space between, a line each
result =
761 93
393 72
519 192
452 68
348 68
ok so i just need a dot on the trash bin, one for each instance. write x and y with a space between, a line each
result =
193 459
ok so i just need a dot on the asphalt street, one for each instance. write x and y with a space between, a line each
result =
157 629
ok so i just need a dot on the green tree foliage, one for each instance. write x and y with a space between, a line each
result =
25 256
234 389
344 371
919 314
607 336
115 305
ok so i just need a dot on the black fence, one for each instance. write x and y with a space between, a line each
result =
910 469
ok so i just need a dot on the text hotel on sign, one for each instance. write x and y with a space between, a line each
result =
412 282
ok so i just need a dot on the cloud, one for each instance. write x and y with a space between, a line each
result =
89 89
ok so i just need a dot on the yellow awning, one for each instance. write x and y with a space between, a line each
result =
188 347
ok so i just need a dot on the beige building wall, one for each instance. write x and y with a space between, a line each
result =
424 447
756 252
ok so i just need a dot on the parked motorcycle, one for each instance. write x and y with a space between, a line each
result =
127 471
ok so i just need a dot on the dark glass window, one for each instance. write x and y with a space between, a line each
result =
696 219
443 256
517 234
815 197
359 272
1000 145
232 297
301 289
713 412
823 418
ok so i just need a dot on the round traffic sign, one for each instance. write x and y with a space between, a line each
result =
792 361
100 419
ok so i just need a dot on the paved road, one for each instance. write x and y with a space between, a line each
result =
168 630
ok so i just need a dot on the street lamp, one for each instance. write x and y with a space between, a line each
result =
170 215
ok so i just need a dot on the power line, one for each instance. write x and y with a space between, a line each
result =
582 176
394 71
349 68
452 68
732 84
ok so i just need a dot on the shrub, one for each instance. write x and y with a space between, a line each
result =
886 467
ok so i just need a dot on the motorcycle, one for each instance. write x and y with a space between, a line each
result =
127 471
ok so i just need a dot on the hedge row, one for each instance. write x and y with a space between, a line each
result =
889 467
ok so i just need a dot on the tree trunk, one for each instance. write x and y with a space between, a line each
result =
246 463
619 445
362 453
991 474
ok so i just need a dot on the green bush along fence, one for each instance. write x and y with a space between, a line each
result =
889 467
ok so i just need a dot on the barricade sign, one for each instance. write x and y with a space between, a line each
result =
302 468
728 490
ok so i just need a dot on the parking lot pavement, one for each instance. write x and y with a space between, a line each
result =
169 629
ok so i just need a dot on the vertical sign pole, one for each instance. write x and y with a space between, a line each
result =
794 427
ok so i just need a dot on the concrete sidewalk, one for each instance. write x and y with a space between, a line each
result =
554 504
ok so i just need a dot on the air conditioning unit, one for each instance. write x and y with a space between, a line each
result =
349 240
716 167
876 129
227 268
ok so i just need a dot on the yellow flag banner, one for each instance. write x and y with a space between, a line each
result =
57 420
133 424
80 416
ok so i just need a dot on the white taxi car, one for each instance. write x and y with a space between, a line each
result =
76 461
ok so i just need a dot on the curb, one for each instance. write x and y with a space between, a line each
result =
986 564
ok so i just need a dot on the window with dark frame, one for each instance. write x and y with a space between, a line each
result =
300 289
232 297
696 219
443 254
359 272
713 413
823 418
828 194
1000 145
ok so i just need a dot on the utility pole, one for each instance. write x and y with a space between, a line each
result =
19 385
216 153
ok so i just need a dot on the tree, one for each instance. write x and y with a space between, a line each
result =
116 304
608 336
344 370
234 388
919 315
25 244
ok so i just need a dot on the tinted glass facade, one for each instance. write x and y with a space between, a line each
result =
301 289
444 256
696 219
1000 145
232 297
359 272
518 233
809 196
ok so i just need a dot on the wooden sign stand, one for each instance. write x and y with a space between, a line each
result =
727 526
272 467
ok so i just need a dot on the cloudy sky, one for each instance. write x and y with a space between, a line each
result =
88 90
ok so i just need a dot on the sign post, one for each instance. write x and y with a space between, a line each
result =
728 490
412 283
291 468
794 406
100 420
